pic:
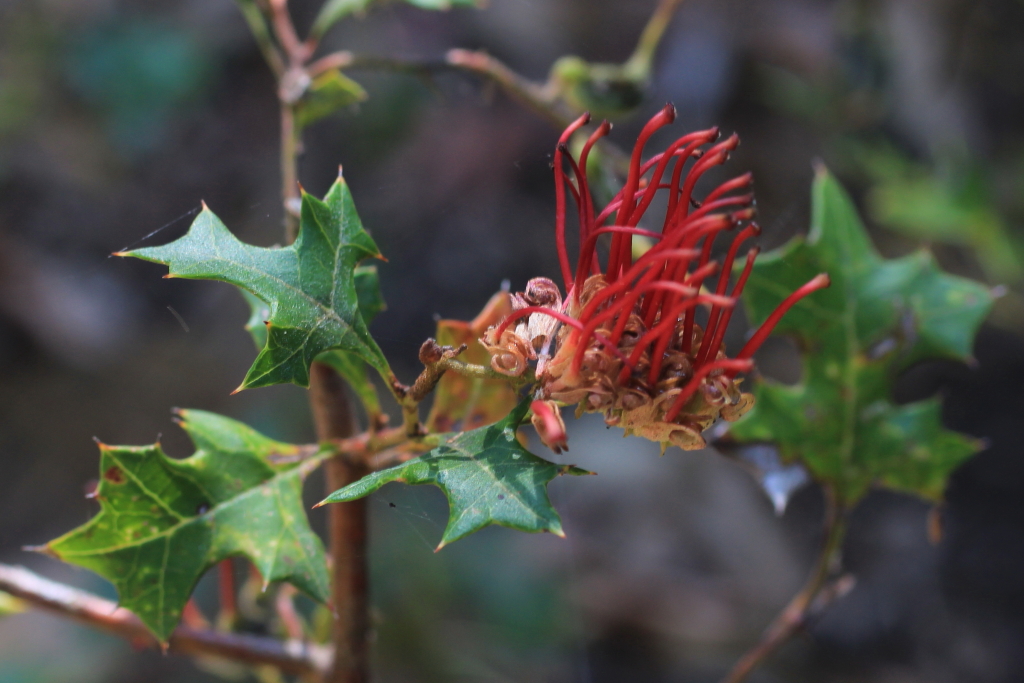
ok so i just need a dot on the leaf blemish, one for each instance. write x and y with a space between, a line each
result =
114 475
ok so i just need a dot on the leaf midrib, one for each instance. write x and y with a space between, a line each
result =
476 461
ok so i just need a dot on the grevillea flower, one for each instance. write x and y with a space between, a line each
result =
625 339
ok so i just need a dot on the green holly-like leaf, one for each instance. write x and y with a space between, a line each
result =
348 365
487 476
309 286
164 522
879 316
369 300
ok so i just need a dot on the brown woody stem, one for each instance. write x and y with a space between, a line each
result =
794 616
333 419
292 657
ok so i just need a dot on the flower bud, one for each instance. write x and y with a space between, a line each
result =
547 420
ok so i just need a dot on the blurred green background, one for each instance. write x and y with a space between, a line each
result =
118 116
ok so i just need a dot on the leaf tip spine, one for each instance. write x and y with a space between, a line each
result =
42 549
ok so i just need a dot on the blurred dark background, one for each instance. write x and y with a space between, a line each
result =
118 117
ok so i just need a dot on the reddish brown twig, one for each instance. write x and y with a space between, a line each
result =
346 531
226 592
290 656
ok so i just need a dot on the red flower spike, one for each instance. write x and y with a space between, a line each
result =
626 340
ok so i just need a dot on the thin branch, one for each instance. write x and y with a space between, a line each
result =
228 614
285 31
261 32
486 372
433 356
436 361
365 446
293 657
336 60
391 457
533 95
639 63
541 99
795 615
290 144
284 605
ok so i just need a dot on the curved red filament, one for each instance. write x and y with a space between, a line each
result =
560 180
819 281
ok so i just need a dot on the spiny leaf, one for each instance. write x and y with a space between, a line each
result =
465 403
487 476
164 522
328 93
348 365
878 317
309 286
